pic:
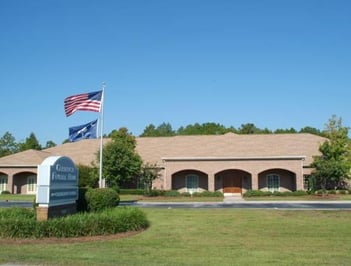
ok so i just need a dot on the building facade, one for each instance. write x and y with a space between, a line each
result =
227 163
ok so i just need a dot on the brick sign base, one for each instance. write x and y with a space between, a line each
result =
44 213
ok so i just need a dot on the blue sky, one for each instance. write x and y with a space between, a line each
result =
277 64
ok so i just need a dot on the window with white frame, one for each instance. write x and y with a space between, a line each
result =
31 184
192 183
3 183
273 182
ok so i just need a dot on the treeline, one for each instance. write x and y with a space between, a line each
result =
8 144
165 129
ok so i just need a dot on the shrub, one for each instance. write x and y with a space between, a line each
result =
299 193
123 191
5 192
17 213
208 194
109 221
155 193
257 193
82 204
101 198
342 191
172 193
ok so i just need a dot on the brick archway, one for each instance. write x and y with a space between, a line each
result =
233 181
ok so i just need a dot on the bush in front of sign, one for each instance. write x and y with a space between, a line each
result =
101 198
16 223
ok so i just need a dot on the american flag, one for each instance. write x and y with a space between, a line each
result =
85 102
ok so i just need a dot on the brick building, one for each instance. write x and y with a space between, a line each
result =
228 163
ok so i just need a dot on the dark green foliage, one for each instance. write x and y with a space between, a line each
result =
299 193
5 192
332 167
110 221
124 191
30 143
8 144
101 198
17 222
163 130
16 213
203 129
121 161
260 193
208 194
155 193
82 204
172 193
148 173
257 193
88 176
210 128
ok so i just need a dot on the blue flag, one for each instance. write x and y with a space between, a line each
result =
86 131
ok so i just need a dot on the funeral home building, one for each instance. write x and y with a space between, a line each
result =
227 163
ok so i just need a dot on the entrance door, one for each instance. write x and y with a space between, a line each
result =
231 184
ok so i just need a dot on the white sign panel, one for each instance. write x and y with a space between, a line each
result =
57 181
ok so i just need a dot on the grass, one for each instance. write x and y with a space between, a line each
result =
302 198
22 197
208 237
16 197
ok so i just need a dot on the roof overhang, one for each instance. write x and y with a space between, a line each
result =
252 158
18 166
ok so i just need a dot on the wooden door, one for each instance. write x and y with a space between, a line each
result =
231 184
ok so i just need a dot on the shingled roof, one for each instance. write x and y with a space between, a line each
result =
230 146
154 149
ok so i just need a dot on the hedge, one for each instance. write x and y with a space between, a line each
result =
109 221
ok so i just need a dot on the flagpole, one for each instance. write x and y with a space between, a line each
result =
101 134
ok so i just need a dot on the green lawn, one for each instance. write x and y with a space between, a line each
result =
209 237
17 197
22 197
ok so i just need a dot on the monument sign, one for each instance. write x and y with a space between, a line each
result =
57 188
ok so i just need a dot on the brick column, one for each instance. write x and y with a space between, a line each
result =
254 181
211 181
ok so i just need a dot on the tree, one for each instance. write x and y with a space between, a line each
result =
248 128
149 172
165 130
88 176
332 167
209 128
149 131
8 144
311 130
30 143
120 161
50 144
285 131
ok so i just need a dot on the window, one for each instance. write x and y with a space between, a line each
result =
192 183
273 182
306 182
3 183
31 184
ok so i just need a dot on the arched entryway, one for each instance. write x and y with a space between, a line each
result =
233 181
189 181
277 180
24 183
